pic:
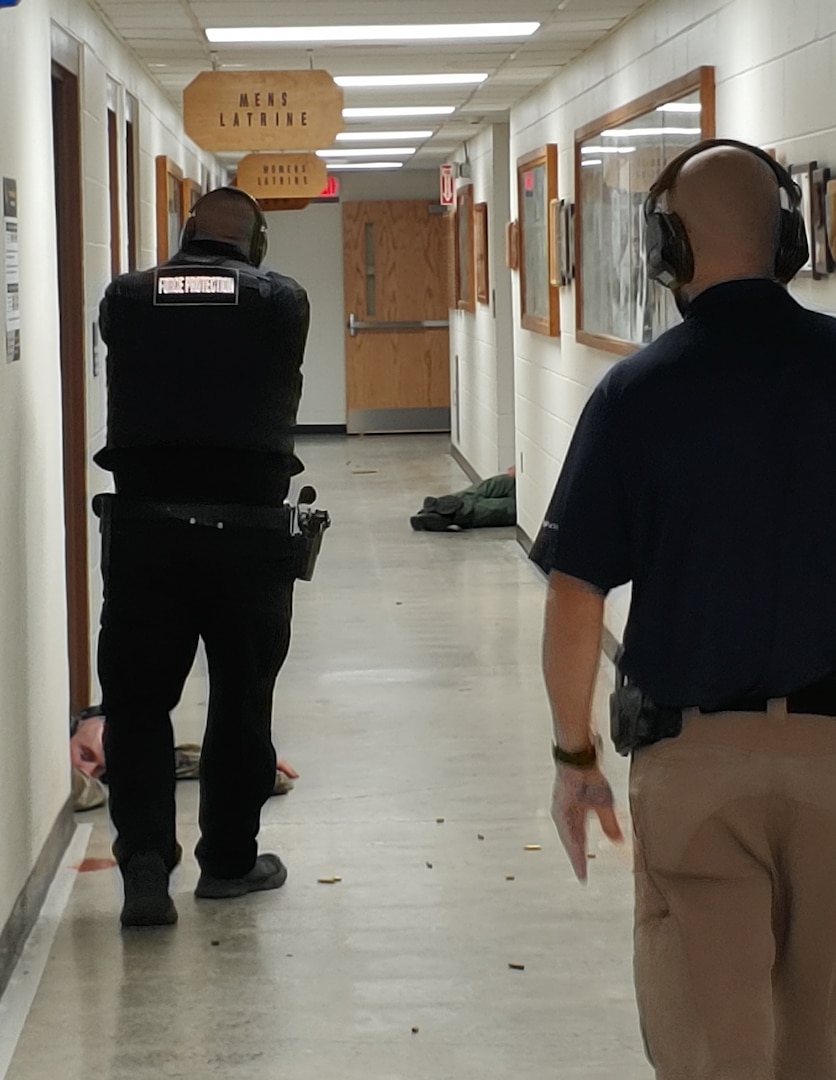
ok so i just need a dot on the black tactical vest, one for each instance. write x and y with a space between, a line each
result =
204 352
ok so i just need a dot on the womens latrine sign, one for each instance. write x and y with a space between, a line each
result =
283 176
263 110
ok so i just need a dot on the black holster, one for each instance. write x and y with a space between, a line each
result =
635 719
307 540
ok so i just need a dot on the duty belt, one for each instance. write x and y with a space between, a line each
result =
203 514
818 699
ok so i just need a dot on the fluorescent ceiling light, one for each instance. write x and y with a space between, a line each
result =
353 81
373 136
338 166
592 161
632 133
608 149
427 32
381 151
680 107
398 110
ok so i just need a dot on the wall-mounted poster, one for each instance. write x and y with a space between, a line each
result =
536 188
617 159
11 269
803 176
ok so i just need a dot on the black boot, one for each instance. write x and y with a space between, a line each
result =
147 902
426 521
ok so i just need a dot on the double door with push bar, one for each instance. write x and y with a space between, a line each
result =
397 329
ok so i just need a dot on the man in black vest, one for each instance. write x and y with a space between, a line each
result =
204 382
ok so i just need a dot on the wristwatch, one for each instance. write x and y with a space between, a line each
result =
580 759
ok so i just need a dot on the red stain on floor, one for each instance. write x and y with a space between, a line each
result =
89 865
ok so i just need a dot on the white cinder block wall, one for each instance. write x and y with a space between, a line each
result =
34 765
776 86
159 130
481 344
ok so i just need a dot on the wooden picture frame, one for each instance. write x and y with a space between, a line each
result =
512 245
803 176
169 207
190 192
465 276
823 263
617 307
480 230
536 188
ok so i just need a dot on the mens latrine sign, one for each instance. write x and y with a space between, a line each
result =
186 286
263 110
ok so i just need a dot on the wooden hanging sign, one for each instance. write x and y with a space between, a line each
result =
263 110
282 176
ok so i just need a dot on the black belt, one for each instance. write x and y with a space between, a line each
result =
208 516
817 699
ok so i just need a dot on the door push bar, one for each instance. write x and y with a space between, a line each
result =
408 324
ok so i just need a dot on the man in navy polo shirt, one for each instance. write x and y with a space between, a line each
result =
703 470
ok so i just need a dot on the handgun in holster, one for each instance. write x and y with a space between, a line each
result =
635 719
307 530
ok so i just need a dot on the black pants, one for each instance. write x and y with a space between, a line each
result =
166 585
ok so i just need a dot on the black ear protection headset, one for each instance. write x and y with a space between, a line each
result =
258 238
670 259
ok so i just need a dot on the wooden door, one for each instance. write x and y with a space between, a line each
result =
396 309
67 146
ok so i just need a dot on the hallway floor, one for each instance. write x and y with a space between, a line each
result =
412 705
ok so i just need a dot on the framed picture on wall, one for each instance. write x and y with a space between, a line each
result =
617 159
830 209
190 192
169 207
822 257
480 228
536 189
465 283
803 176
512 245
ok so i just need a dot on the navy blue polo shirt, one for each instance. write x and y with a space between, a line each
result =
703 469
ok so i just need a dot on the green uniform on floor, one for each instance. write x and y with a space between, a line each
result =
491 504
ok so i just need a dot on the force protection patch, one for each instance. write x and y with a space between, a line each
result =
189 285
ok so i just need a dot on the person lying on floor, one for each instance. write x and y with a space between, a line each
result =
89 767
487 505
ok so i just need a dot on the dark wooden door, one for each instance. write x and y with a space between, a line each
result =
68 218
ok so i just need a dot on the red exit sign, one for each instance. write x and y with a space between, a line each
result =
331 191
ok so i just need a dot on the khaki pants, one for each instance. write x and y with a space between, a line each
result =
735 936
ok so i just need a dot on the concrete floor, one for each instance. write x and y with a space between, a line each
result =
412 693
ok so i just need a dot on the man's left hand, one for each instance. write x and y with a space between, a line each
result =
576 793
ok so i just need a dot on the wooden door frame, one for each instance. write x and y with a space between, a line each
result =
70 259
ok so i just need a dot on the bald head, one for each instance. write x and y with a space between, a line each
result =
226 216
729 202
